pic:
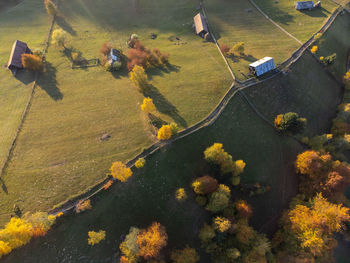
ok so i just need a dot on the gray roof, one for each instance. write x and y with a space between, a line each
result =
113 55
18 49
304 5
200 23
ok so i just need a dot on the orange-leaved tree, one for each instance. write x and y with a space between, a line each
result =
120 171
32 62
151 240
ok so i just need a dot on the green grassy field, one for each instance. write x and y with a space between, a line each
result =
149 195
304 90
239 21
31 26
301 24
58 153
337 40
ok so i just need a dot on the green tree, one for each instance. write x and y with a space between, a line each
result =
290 122
219 200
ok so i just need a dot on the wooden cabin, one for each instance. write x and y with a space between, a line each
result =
201 26
15 61
262 66
113 56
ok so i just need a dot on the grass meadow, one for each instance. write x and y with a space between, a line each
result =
239 21
58 153
150 194
301 24
31 26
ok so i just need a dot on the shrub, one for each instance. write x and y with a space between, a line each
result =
239 167
289 122
106 48
32 62
318 36
108 184
237 48
330 59
51 8
139 78
233 253
115 66
140 163
205 185
236 180
243 209
219 200
206 233
120 171
164 133
186 255
314 49
181 194
224 49
83 206
96 237
152 240
221 224
148 105
59 37
174 128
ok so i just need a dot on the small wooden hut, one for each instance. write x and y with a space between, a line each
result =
201 26
15 61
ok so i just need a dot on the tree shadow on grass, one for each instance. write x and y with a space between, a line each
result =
3 186
25 76
47 81
61 22
160 71
317 12
163 105
156 121
245 57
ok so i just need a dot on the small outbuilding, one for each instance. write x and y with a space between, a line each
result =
262 66
18 49
200 24
306 5
113 56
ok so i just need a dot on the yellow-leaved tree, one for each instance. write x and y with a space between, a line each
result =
120 171
221 224
148 105
59 37
96 237
139 77
314 49
164 133
347 77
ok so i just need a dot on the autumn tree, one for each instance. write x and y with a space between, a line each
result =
205 185
32 62
315 225
51 8
238 48
174 128
59 37
180 194
221 224
243 208
106 48
96 237
152 240
186 255
220 199
140 163
347 77
314 49
164 133
206 233
289 122
139 78
120 171
148 105
224 49
129 246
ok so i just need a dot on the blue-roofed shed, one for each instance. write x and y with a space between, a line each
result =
304 5
262 66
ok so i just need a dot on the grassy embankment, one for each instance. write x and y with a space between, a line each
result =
150 194
58 153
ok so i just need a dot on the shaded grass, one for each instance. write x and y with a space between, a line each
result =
239 21
306 89
30 25
301 24
150 194
58 153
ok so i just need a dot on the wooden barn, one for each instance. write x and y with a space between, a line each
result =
201 25
18 49
262 66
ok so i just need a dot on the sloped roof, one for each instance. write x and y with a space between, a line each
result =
304 4
260 61
18 49
200 23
